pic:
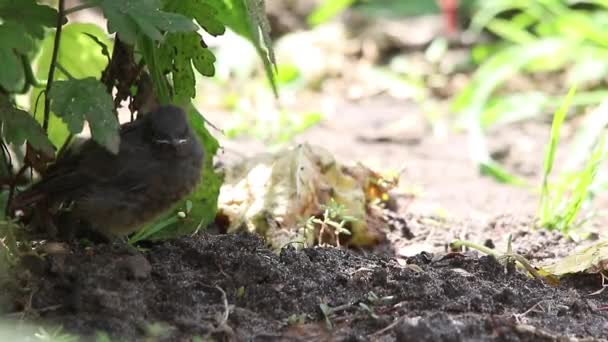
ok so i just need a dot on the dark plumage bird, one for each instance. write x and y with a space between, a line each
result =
159 162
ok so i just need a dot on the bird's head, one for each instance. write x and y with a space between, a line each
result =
168 130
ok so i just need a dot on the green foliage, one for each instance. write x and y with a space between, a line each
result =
255 28
81 56
22 25
32 16
561 202
129 18
334 218
19 126
164 39
15 43
75 101
543 36
205 13
181 50
558 120
205 195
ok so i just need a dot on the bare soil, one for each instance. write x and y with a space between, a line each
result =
231 287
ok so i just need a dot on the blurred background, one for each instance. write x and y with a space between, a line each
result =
458 97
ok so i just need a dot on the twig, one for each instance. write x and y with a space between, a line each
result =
518 317
604 284
8 163
387 328
49 82
226 307
65 145
7 159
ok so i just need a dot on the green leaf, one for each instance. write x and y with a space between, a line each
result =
130 17
590 259
75 101
19 126
510 31
78 53
506 109
256 28
81 56
32 16
12 76
151 56
15 44
181 50
503 65
260 28
203 200
558 119
494 170
177 54
587 135
23 23
14 36
205 12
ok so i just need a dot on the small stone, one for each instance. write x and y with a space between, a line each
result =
137 266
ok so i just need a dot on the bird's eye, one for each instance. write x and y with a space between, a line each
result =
181 141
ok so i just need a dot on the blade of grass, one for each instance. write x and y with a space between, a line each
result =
583 184
558 119
588 135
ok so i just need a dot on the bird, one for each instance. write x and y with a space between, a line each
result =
159 162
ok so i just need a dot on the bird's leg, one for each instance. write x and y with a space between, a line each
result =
121 245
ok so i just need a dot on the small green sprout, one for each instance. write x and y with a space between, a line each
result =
333 221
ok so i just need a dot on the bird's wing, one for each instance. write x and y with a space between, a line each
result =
90 164
121 170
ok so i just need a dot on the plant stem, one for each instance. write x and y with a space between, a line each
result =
65 145
49 82
30 78
65 71
148 51
483 249
520 261
79 8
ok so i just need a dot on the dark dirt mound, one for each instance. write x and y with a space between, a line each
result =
231 287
